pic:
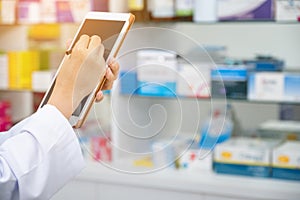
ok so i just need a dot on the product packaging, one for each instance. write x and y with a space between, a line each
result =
162 9
245 156
21 65
3 71
128 81
274 86
8 11
266 86
205 11
217 128
184 9
287 10
5 115
265 63
28 12
286 161
41 80
229 82
245 10
156 73
192 82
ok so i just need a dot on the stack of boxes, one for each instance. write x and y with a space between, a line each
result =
258 157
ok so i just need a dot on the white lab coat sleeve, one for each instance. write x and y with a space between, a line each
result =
40 160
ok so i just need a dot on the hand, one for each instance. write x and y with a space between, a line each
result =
111 75
79 74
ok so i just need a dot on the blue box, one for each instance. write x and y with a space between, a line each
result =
166 89
265 64
128 81
229 82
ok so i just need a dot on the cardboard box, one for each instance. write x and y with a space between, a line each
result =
286 161
245 156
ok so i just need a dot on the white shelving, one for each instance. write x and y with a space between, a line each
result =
243 40
98 182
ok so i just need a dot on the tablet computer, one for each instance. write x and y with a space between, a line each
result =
112 28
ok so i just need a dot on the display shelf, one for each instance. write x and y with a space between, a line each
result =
195 182
228 100
245 22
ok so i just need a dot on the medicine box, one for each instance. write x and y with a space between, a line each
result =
237 10
274 86
266 86
291 87
264 63
193 81
128 81
286 161
287 10
229 82
156 73
244 156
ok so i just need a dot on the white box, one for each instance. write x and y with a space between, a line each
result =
274 86
3 71
156 73
8 11
287 155
196 160
287 10
192 82
286 161
268 86
245 156
41 80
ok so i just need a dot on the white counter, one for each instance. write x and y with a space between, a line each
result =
102 183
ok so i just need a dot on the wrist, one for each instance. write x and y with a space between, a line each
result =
64 105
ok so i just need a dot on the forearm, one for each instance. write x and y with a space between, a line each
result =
44 160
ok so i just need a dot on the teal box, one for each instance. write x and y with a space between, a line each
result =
245 170
284 173
167 89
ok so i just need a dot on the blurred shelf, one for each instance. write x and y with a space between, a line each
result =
214 99
20 90
195 183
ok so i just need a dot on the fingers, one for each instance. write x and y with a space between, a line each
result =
99 96
83 42
95 41
113 70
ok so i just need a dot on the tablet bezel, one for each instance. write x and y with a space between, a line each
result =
128 19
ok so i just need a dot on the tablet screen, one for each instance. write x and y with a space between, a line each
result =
108 30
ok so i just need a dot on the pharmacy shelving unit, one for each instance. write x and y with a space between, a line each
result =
243 40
